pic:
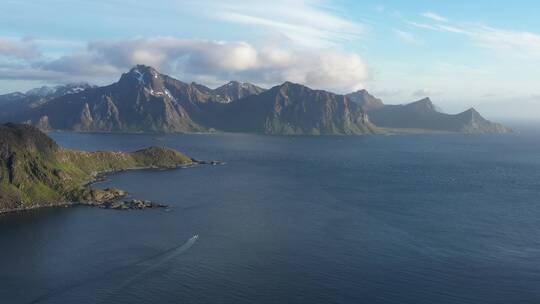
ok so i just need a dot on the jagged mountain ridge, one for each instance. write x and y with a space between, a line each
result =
60 90
10 97
235 90
143 100
366 100
13 103
295 109
423 115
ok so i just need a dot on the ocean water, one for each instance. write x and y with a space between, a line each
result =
368 219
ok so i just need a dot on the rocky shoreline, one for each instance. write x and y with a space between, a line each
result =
102 176
133 204
41 206
36 172
111 198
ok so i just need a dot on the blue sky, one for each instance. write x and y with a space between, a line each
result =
484 54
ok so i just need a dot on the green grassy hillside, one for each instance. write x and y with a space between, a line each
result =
35 171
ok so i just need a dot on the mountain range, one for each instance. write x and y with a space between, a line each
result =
423 115
144 100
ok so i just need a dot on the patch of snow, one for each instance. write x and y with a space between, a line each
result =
168 93
139 76
43 91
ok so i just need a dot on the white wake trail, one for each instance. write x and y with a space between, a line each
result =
188 244
166 256
169 256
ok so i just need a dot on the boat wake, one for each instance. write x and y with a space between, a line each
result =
167 257
149 264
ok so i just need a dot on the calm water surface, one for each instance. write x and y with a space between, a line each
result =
373 219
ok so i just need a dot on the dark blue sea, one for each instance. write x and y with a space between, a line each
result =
368 219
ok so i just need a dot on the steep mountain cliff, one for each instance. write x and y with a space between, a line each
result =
143 100
295 109
13 104
366 100
235 90
36 172
423 115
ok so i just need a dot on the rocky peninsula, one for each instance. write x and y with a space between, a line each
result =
36 172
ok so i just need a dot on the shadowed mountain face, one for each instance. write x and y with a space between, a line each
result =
15 103
235 90
423 115
143 100
10 97
366 100
295 109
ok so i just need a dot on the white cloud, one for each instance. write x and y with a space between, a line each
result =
79 65
209 62
306 22
17 48
439 27
453 29
434 16
303 42
515 43
422 93
408 38
520 43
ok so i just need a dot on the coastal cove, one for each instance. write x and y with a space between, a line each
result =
421 218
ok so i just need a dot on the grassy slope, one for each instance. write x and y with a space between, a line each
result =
35 172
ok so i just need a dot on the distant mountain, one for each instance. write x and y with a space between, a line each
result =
295 109
7 98
143 100
57 91
14 103
423 115
41 91
235 90
366 100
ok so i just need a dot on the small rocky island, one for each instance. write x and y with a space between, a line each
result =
36 172
133 204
